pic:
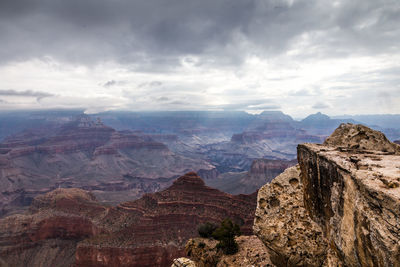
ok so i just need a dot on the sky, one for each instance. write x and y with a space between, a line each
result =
297 56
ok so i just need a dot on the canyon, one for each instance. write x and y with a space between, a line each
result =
89 155
67 227
337 207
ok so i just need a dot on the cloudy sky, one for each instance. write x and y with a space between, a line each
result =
298 56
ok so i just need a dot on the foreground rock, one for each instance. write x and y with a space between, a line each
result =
68 226
252 252
282 223
357 136
183 262
352 190
341 208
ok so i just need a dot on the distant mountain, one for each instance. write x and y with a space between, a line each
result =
68 227
12 122
87 154
321 124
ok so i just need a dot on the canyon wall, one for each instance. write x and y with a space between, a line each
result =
69 227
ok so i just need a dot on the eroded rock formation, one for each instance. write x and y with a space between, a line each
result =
68 226
283 224
48 235
340 209
89 155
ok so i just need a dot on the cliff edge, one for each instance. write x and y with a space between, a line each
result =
338 207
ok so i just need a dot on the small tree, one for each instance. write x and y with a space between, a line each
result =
225 234
206 229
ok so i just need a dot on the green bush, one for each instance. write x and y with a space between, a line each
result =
206 229
225 234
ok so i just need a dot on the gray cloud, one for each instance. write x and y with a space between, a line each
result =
255 104
109 83
320 105
192 54
27 93
153 34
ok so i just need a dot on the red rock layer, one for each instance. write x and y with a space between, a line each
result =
150 231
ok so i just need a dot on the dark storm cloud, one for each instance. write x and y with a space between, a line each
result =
154 33
27 93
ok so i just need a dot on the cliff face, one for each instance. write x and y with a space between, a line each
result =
68 226
49 234
354 195
341 208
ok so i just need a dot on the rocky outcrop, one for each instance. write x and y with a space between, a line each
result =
357 136
339 207
252 252
352 190
284 226
183 262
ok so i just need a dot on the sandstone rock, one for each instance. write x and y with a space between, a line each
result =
183 262
357 136
354 195
283 224
252 252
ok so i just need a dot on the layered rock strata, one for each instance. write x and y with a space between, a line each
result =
158 225
48 236
68 226
88 155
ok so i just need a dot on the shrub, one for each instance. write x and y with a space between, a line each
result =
225 234
206 229
202 245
